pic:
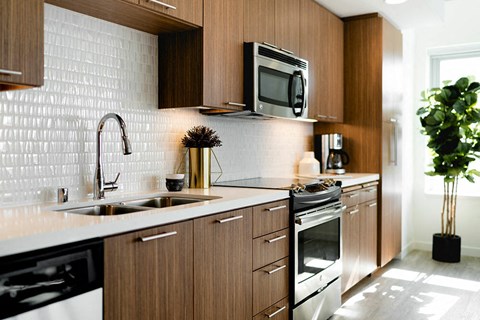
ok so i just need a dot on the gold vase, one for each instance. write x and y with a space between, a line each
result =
199 167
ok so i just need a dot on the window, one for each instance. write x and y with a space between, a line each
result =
452 66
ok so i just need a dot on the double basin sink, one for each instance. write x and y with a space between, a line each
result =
136 205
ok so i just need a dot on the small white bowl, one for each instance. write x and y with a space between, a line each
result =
175 176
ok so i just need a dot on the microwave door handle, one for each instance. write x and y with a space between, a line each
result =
304 85
292 97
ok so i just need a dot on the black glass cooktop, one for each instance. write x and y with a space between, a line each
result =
267 183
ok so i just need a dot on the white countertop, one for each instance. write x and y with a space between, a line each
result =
27 228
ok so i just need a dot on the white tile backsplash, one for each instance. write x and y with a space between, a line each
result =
93 67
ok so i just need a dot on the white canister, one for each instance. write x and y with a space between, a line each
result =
309 166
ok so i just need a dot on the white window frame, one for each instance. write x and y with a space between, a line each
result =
434 185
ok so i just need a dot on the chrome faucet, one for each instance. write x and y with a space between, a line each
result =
99 184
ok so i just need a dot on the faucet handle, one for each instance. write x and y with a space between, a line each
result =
112 185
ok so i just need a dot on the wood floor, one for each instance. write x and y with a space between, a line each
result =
416 288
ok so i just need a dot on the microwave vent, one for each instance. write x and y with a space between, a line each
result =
266 52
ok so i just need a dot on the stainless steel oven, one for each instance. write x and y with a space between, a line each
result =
317 262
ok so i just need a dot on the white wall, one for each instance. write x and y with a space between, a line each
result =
460 28
92 67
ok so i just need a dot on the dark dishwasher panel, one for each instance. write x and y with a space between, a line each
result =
33 280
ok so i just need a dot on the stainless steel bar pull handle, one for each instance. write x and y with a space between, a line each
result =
354 211
276 239
158 236
276 269
236 104
166 5
276 208
322 116
372 205
10 72
229 219
276 312
353 195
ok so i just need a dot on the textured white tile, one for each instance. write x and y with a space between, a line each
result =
93 67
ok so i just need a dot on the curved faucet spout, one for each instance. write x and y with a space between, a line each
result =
99 184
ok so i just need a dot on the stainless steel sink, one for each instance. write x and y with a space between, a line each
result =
130 206
105 210
162 202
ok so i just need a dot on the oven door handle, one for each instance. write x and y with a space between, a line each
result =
324 216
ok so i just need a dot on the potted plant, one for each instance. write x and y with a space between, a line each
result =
451 119
200 140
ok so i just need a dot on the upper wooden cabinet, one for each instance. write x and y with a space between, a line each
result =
273 21
21 44
187 10
205 67
321 43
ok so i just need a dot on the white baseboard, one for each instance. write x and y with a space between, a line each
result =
427 246
407 249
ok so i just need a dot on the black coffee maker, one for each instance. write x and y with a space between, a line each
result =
328 150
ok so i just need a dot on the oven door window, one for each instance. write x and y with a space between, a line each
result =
318 248
273 86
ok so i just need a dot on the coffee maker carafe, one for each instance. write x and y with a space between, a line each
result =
337 158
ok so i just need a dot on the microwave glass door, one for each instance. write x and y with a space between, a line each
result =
273 86
318 248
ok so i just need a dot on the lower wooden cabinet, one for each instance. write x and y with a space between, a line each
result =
223 266
278 311
149 274
359 235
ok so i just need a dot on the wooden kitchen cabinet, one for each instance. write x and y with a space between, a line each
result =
273 21
223 266
372 118
321 43
187 10
205 67
150 279
21 44
359 234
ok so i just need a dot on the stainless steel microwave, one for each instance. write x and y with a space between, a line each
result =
275 82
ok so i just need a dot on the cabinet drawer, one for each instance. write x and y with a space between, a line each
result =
270 217
351 199
270 248
368 194
270 284
279 311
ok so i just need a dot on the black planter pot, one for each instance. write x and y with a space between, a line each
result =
446 249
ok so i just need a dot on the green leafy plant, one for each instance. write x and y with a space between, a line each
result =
451 119
201 137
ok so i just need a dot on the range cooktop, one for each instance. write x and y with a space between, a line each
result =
268 183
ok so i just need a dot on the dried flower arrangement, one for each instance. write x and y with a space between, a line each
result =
201 137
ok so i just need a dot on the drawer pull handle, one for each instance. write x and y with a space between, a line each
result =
276 208
10 72
236 104
332 117
276 269
353 195
354 211
166 5
276 312
322 116
276 239
158 236
372 205
229 219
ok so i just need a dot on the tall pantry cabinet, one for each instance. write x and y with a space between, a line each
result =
372 117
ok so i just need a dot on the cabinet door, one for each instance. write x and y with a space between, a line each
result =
321 43
150 279
187 10
368 238
259 22
350 247
287 20
223 266
21 44
223 54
